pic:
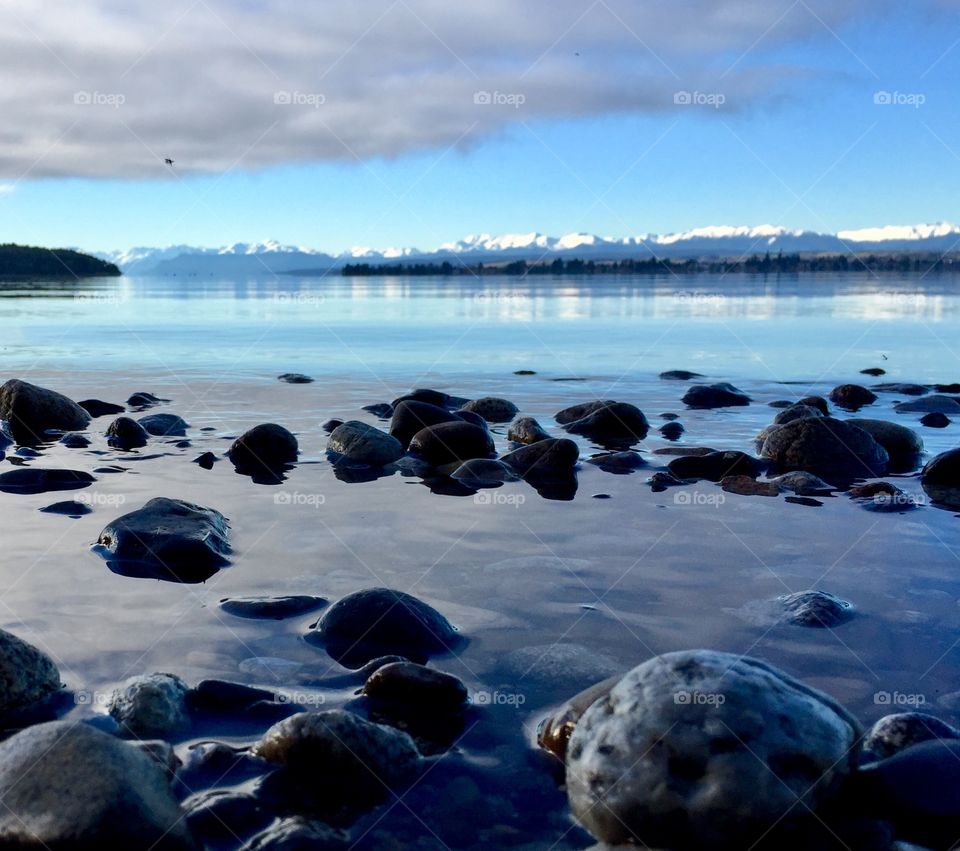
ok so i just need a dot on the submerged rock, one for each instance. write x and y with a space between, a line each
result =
271 608
429 691
32 410
875 371
700 749
143 399
72 440
359 443
672 430
66 785
151 706
492 409
936 404
940 478
295 378
32 480
852 397
446 443
815 609
27 675
803 483
613 424
618 463
164 425
126 433
679 375
578 412
826 447
264 450
95 408
551 457
68 508
715 466
526 430
206 460
483 472
894 733
935 420
902 389
721 395
746 486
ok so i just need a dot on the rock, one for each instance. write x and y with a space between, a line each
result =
27 675
825 447
271 608
431 397
167 539
615 424
164 425
680 451
380 622
803 484
903 444
700 749
550 457
299 834
431 692
72 440
295 378
852 397
358 443
330 425
526 430
679 375
67 785
126 433
936 404
659 482
721 395
264 450
817 402
144 400
68 508
947 388
492 409
940 478
32 410
815 609
224 814
618 463
524 372
803 500
935 420
162 754
446 443
151 706
883 497
95 408
554 731
902 389
715 466
206 460
796 412
578 412
483 472
875 371
745 486
672 430
31 480
381 410
894 733
411 416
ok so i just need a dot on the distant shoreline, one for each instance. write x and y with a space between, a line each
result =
26 263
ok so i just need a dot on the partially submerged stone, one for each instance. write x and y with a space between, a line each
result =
31 410
359 443
151 706
28 676
272 608
895 733
492 409
33 480
826 447
720 395
941 478
815 609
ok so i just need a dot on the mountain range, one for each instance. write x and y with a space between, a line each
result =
272 258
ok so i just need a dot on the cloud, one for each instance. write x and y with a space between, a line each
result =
6 188
104 89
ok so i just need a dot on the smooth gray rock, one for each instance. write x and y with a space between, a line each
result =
359 443
936 404
526 430
826 447
27 674
66 785
894 733
700 749
492 409
151 706
31 410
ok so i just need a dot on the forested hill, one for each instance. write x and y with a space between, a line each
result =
24 261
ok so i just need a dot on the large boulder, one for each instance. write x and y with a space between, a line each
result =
446 443
614 424
31 410
700 749
826 447
941 478
903 445
27 675
66 785
358 443
412 416
721 395
263 450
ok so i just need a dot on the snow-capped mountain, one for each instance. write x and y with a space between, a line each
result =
274 258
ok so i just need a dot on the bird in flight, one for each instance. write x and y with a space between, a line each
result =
168 161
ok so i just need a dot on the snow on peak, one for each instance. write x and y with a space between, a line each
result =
890 233
575 240
726 232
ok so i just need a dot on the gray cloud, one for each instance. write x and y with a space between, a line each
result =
104 89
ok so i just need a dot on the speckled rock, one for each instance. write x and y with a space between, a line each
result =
721 395
852 397
826 447
796 412
715 466
358 443
151 706
526 430
894 733
31 410
941 478
815 609
700 749
27 675
126 433
492 409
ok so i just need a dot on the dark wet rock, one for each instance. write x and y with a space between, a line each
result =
299 834
940 478
358 443
27 675
903 445
271 608
894 733
780 403
852 397
95 408
69 508
381 410
483 472
817 402
225 814
330 425
815 609
224 697
935 420
473 418
715 466
936 404
492 409
31 411
264 450
206 460
669 417
550 457
946 388
553 733
679 375
804 500
379 622
902 389
162 753
803 483
126 433
295 378
524 372
875 371
31 480
167 539
151 706
796 412
72 440
682 451
431 397
412 416
430 691
757 739
578 412
672 430
66 785
659 482
164 425
825 447
526 430
618 463
617 423
142 399
27 452
746 486
446 443
721 395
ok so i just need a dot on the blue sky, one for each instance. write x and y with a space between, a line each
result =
393 150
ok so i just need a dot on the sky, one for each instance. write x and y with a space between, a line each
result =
388 123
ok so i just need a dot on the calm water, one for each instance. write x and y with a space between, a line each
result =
609 581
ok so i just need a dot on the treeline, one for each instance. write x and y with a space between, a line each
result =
23 261
757 263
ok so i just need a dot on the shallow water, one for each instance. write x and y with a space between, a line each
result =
624 578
